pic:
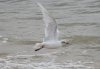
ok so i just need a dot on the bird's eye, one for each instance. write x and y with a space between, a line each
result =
63 42
42 46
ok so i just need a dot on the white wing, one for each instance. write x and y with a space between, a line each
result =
50 25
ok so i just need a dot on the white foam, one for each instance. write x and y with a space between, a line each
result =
12 62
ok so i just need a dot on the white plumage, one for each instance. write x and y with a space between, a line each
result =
51 39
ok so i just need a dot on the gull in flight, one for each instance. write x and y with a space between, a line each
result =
51 32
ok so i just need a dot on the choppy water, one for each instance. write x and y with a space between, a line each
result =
21 26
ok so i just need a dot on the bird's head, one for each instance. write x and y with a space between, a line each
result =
38 46
64 42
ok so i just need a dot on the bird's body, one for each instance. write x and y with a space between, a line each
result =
52 44
51 39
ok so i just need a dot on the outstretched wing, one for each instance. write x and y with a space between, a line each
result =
50 25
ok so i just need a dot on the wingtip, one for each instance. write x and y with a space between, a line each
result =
39 4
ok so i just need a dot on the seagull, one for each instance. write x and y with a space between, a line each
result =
51 39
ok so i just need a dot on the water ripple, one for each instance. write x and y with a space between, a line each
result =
4 1
7 64
78 24
18 1
88 12
9 12
29 18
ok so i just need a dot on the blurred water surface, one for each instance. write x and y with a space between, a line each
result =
21 26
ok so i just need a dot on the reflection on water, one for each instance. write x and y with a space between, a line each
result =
21 26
